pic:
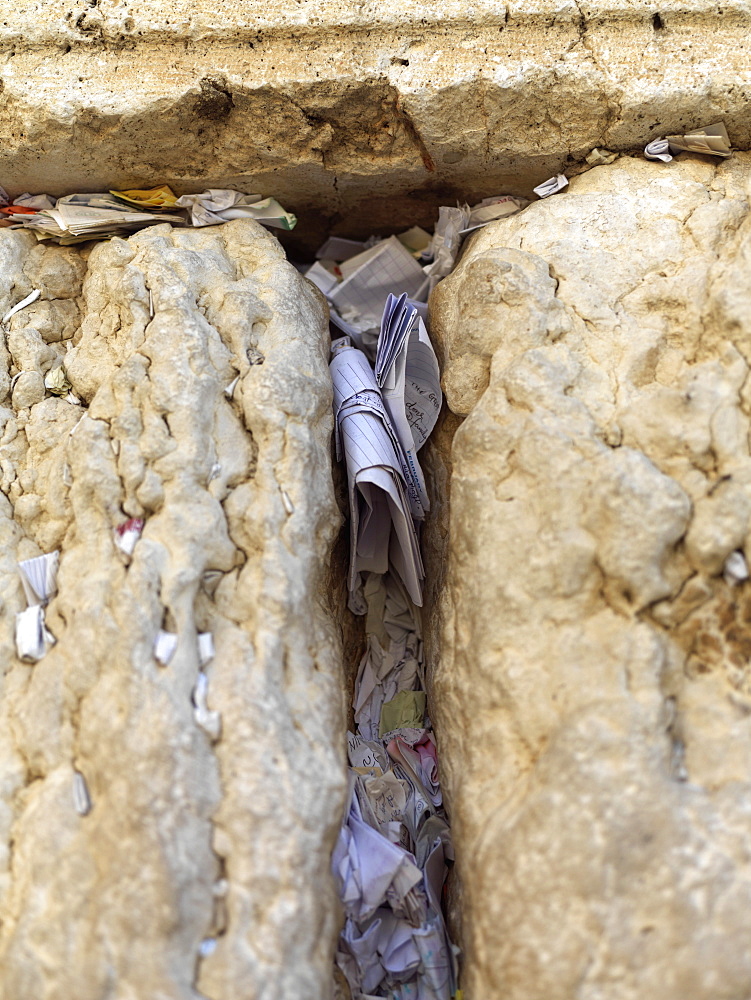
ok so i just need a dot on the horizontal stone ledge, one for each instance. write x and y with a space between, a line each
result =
357 117
80 23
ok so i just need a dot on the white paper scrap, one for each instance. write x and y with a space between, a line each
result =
165 646
321 277
338 249
551 186
370 277
207 947
229 391
206 650
127 534
39 577
221 205
32 638
287 501
31 297
735 569
81 797
210 722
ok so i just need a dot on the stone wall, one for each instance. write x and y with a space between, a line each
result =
591 695
189 838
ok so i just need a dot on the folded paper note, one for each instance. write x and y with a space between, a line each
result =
39 577
712 140
551 186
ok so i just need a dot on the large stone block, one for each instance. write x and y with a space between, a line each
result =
187 839
363 114
592 697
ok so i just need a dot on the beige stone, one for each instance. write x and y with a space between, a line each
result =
187 839
592 694
358 113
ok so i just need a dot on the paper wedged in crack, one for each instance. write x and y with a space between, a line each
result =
124 892
590 648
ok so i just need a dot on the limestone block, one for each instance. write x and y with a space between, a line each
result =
187 839
358 112
592 693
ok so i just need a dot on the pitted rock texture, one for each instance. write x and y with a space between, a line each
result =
186 839
593 695
359 111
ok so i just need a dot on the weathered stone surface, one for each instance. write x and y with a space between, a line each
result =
362 112
186 839
592 699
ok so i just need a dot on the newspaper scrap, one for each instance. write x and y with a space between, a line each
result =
712 140
127 534
39 577
658 149
81 797
220 205
551 186
165 646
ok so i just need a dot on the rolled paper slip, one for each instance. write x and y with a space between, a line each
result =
207 947
658 149
32 638
39 577
127 534
165 645
31 297
210 722
735 569
230 389
205 647
551 186
81 797
56 382
712 140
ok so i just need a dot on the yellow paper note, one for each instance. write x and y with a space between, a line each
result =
405 711
158 197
